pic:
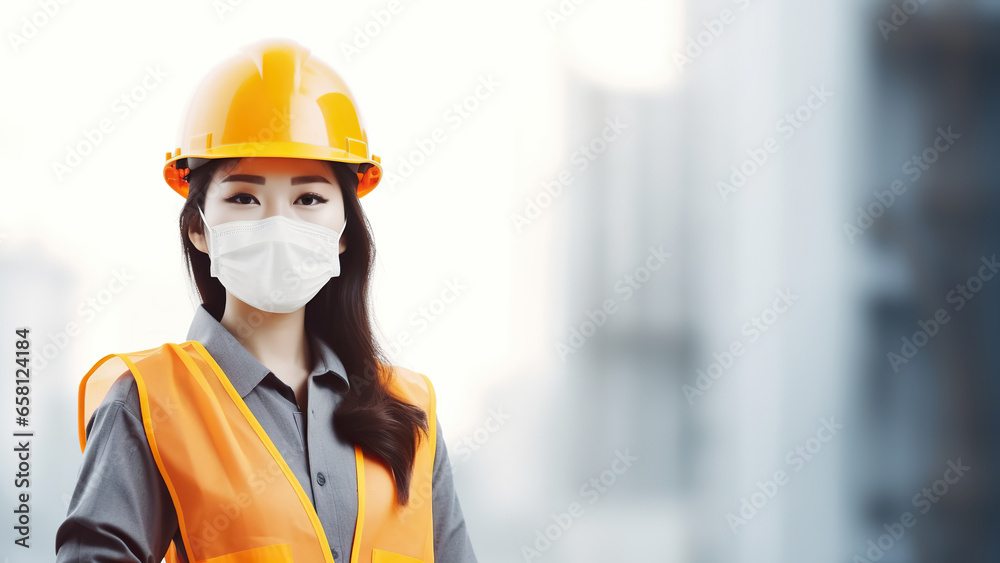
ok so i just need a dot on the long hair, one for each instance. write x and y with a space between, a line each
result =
369 415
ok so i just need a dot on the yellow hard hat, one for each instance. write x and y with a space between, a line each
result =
273 99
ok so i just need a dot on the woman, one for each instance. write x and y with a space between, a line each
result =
276 432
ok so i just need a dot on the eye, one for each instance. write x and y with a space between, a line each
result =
240 198
312 196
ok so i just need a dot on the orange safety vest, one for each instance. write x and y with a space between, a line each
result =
237 500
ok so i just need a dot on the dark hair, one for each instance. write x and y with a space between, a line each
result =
369 415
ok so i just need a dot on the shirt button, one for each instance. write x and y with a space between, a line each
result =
321 479
334 553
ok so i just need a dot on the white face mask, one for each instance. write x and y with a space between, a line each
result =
275 264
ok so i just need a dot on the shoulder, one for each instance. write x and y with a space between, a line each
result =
415 385
417 389
122 392
116 376
412 377
125 390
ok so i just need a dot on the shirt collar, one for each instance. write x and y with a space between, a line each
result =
240 366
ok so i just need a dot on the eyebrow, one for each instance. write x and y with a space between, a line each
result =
260 179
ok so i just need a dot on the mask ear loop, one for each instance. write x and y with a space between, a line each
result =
340 236
206 230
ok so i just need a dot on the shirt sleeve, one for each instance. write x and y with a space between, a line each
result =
451 538
121 509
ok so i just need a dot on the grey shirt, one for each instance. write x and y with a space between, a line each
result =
121 509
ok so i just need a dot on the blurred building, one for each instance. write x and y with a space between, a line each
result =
902 77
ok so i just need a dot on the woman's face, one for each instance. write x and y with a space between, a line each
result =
259 187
